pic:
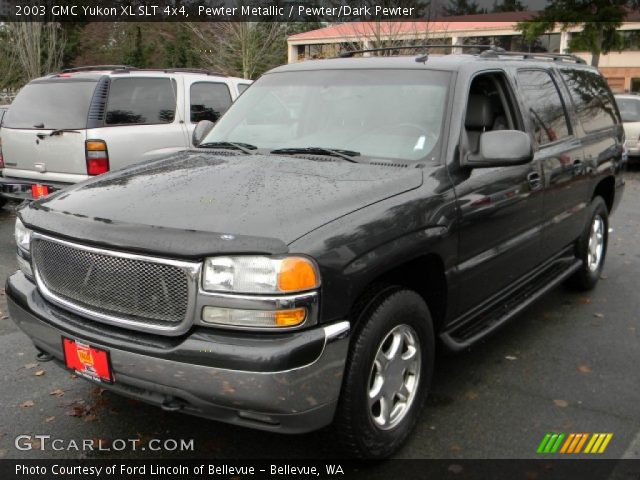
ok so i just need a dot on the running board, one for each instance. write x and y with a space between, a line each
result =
464 335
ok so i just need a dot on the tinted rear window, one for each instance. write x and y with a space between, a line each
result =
629 109
593 100
141 101
51 105
545 105
209 101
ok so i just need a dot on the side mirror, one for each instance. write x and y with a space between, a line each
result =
202 129
501 148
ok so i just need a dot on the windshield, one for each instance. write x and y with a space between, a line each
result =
62 104
395 114
629 109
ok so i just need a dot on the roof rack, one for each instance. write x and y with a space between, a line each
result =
89 68
492 51
351 53
556 57
201 71
128 68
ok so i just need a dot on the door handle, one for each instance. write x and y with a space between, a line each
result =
535 180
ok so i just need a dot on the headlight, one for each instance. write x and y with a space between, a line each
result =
258 274
23 239
22 235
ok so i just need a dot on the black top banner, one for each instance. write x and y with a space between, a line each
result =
228 11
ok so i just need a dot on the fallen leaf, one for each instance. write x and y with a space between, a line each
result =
79 411
39 373
57 392
27 404
471 395
598 315
584 369
585 300
49 419
561 403
456 449
90 418
29 366
511 357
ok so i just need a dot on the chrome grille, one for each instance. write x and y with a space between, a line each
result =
117 288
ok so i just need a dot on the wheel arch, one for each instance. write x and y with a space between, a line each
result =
606 188
424 274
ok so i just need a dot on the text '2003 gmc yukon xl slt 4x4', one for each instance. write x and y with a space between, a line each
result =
69 126
298 266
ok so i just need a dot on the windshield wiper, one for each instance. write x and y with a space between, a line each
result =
344 154
243 147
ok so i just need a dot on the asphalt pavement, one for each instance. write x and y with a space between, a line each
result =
568 364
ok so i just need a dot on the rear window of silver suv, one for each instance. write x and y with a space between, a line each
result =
52 104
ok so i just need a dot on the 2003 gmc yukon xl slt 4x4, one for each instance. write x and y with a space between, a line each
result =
298 267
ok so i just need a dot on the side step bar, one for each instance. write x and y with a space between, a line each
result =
462 336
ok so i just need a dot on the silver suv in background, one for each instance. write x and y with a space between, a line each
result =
629 106
67 127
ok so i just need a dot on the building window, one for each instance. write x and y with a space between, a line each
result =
516 43
630 39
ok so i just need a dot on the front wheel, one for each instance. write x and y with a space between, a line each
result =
591 247
387 375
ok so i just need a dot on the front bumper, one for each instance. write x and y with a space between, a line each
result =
288 383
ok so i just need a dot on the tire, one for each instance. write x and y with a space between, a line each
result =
3 202
591 247
362 427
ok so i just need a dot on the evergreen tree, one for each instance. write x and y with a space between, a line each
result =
462 7
508 6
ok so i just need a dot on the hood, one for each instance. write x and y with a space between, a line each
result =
240 203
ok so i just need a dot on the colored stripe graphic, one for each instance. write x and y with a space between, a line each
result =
574 443
598 443
550 443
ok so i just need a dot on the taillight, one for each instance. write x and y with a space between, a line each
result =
97 157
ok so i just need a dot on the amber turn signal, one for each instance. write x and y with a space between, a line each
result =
296 274
290 318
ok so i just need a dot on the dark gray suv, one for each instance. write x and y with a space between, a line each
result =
298 267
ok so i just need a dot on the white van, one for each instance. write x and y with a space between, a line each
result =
66 127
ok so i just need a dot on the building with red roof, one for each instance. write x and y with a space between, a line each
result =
622 68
